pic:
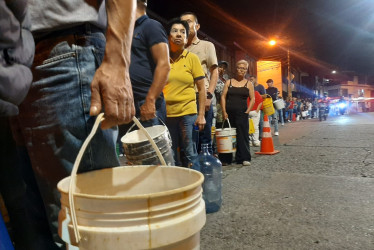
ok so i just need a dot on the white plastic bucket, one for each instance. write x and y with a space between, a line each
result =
132 207
279 104
226 139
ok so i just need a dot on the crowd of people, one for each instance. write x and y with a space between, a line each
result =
84 65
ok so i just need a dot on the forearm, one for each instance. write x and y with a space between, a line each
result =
213 80
250 106
223 104
202 99
119 31
159 80
201 96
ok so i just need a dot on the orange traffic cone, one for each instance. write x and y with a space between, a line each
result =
267 146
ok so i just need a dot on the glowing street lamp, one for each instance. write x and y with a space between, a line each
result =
272 42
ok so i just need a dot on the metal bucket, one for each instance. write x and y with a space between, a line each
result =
139 151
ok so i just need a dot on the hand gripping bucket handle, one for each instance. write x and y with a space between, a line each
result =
228 121
79 158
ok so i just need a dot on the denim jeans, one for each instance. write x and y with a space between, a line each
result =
280 115
54 118
21 196
205 136
289 114
261 125
273 119
184 136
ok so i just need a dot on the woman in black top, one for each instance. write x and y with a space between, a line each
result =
234 106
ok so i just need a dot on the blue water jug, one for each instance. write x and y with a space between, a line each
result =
211 168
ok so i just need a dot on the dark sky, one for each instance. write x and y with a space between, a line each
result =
337 32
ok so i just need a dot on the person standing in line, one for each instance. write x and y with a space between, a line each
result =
149 69
81 68
309 106
207 54
255 115
28 222
222 67
273 92
217 121
182 114
280 111
234 106
260 89
289 108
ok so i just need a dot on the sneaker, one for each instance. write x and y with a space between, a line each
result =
246 163
282 124
276 133
256 144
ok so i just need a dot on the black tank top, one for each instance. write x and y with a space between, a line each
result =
236 100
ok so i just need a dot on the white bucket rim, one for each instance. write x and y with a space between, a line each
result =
132 197
128 138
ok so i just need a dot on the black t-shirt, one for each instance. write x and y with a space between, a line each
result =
147 32
273 92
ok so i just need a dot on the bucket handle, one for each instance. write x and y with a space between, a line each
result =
228 121
73 175
132 126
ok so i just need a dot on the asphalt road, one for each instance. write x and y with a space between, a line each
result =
317 193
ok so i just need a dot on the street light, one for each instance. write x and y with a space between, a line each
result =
289 86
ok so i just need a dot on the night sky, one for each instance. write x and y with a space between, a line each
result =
336 32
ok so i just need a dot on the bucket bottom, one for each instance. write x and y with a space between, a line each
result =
191 243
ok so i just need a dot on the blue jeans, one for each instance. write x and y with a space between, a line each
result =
274 118
289 114
280 115
54 118
184 135
205 136
261 125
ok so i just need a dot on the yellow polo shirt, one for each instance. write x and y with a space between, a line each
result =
179 91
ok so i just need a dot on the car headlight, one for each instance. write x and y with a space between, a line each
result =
342 105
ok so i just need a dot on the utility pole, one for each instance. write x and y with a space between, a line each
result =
289 85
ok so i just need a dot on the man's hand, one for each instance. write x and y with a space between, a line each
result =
111 89
225 115
200 121
112 92
147 111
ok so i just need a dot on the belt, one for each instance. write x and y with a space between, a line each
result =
44 43
82 29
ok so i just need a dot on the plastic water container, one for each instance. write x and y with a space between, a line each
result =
211 168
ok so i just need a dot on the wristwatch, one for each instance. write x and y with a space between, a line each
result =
209 95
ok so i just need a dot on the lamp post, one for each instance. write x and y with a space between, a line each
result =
289 84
